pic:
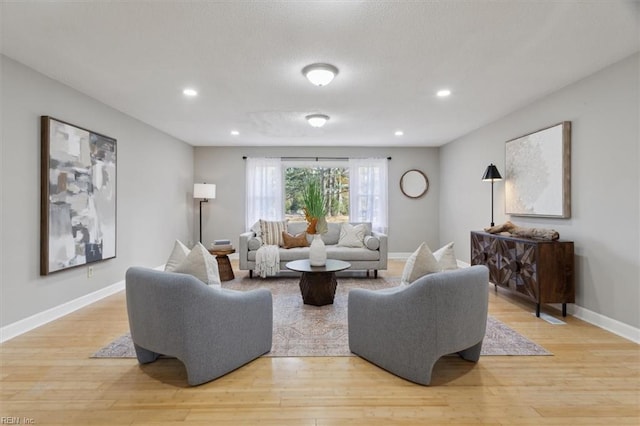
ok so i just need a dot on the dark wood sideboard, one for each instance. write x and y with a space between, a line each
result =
540 270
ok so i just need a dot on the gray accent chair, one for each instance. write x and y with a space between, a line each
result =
406 329
211 330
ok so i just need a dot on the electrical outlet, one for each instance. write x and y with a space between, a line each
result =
90 272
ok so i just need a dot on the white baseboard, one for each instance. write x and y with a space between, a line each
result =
27 324
606 323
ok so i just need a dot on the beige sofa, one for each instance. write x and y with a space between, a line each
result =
371 257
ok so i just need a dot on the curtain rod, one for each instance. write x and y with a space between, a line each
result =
244 157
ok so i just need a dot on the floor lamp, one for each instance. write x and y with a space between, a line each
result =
205 192
490 175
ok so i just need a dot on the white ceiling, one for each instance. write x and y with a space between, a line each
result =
245 59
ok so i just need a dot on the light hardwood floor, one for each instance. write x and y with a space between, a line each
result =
47 375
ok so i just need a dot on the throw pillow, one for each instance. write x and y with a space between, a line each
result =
272 232
420 263
446 257
256 229
371 242
202 265
298 240
352 235
179 253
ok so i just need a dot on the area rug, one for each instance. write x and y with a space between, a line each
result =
304 330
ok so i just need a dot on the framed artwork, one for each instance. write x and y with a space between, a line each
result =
78 196
538 173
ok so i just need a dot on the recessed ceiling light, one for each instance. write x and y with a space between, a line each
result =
235 133
190 92
320 74
317 120
443 93
399 133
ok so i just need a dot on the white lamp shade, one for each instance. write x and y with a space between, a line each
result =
204 190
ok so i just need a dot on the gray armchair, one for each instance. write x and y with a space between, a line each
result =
406 329
212 331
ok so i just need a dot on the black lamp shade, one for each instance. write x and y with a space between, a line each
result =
491 173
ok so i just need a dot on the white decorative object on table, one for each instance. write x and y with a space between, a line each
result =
317 251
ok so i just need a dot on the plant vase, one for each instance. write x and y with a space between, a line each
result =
317 251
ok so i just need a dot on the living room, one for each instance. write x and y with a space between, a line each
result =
156 173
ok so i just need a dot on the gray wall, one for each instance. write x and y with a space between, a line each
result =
604 111
155 176
411 221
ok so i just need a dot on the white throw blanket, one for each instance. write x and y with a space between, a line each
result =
267 261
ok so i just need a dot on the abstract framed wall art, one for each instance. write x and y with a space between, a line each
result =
538 173
78 196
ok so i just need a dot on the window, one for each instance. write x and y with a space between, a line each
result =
334 178
356 190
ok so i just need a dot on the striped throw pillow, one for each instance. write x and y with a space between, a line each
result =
272 232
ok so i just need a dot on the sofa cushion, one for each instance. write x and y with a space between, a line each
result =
347 254
254 243
291 241
352 235
296 253
420 263
201 264
332 236
446 257
296 227
179 253
371 242
272 232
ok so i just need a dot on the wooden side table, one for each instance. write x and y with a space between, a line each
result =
224 265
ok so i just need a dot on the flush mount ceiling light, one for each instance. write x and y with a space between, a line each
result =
190 92
234 133
320 74
399 133
443 93
317 120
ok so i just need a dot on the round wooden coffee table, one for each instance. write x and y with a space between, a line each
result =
318 283
224 264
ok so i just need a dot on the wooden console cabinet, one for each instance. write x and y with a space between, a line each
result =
540 270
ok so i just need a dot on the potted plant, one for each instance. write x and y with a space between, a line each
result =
315 212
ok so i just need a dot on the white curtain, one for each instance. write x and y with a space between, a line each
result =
265 198
368 192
